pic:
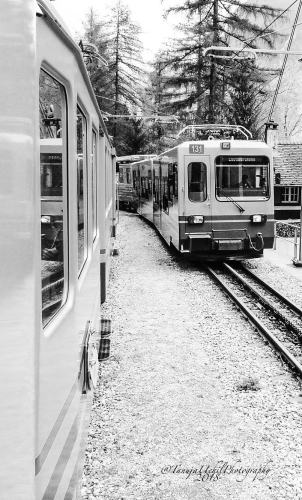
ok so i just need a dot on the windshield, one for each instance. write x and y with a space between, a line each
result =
242 177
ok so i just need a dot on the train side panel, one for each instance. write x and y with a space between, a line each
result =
145 189
158 195
19 249
61 402
58 215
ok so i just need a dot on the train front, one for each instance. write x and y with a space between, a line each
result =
228 207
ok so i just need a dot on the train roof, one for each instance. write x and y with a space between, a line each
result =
224 147
133 158
53 18
47 4
233 144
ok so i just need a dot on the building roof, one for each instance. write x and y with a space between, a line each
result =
288 163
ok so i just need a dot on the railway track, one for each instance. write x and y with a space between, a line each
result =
276 317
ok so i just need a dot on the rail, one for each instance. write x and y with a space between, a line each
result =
263 318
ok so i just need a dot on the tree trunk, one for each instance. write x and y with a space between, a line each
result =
198 112
213 74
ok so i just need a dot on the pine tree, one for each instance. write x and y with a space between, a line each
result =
95 33
160 102
134 139
202 81
118 89
247 92
125 60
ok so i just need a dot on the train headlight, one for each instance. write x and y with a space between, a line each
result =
258 218
45 219
196 219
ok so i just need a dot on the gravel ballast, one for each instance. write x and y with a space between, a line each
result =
193 404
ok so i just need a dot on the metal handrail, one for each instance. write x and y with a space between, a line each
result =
295 239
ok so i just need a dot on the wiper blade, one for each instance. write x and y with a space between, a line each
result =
241 210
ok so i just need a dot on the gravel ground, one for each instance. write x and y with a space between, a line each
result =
193 404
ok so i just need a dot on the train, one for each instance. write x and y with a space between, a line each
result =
58 209
127 198
211 196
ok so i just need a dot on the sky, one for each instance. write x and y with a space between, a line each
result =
147 13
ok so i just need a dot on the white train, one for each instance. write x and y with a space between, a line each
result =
57 195
210 197
127 190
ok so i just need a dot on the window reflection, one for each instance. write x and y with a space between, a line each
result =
94 185
81 180
52 110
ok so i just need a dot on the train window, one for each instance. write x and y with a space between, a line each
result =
108 180
149 181
170 183
53 168
165 193
121 175
175 184
172 192
156 190
128 170
242 177
94 184
197 181
81 188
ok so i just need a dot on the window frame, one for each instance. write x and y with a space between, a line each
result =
240 197
81 108
52 73
284 194
94 183
205 190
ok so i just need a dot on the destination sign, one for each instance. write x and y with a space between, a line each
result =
242 160
51 158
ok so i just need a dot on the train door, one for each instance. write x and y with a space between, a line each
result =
156 193
197 194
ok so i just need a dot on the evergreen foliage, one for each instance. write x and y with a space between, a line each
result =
246 96
119 88
182 81
204 85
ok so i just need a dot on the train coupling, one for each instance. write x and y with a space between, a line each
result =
259 243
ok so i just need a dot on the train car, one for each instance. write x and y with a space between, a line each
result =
57 195
128 192
211 198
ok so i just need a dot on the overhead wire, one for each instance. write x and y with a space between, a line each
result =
249 40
